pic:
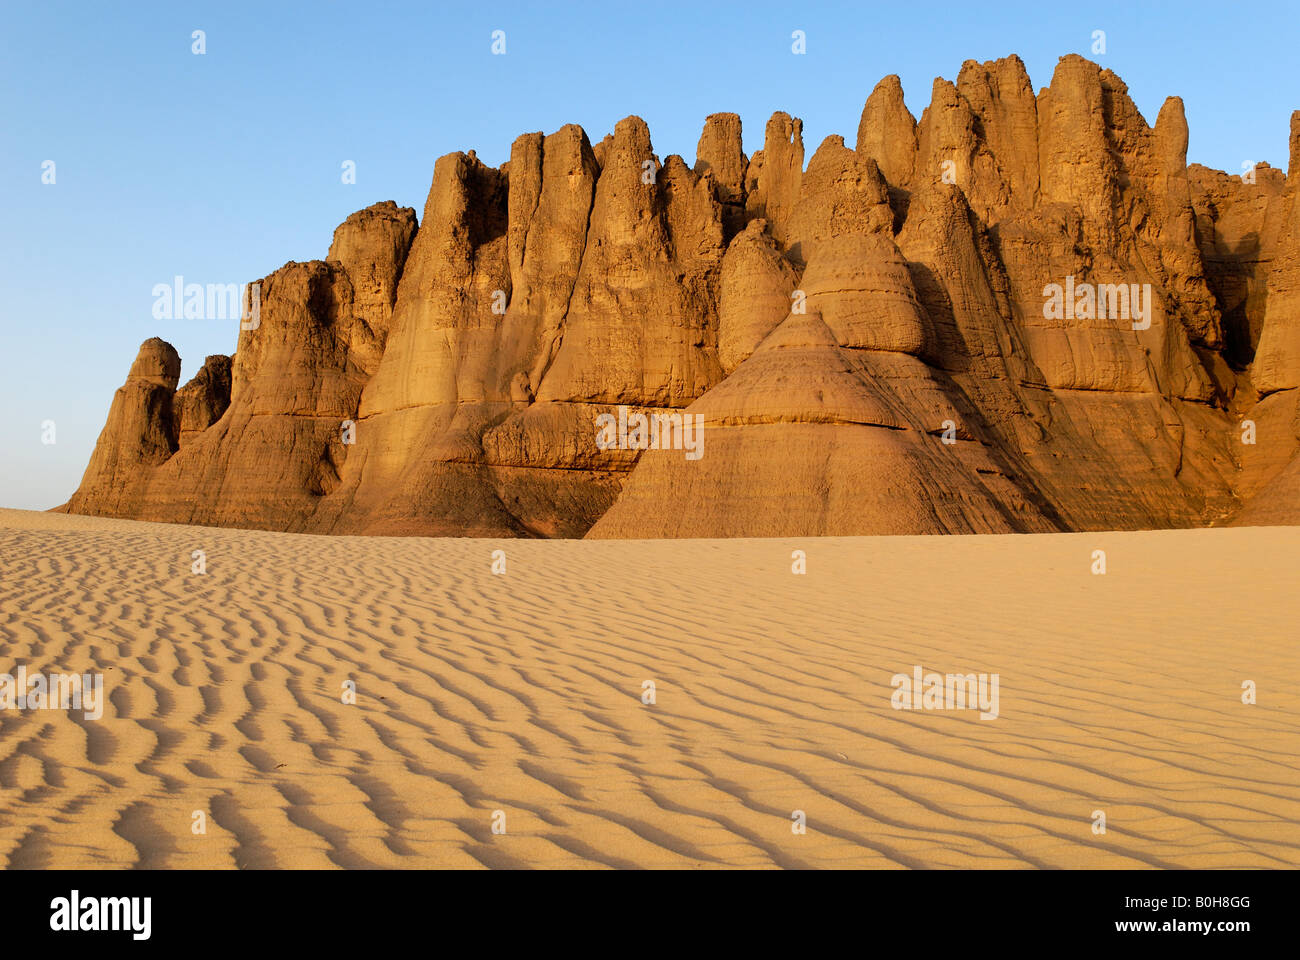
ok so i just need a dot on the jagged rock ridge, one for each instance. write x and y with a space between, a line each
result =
867 338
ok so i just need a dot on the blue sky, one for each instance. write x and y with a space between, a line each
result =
224 166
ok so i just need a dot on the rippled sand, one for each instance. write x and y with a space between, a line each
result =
522 693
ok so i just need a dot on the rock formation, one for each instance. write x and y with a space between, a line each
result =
1018 313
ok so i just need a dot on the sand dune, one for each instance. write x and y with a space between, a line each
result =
522 693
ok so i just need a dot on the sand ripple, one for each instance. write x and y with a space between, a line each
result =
522 694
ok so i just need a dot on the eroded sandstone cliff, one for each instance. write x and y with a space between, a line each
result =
866 337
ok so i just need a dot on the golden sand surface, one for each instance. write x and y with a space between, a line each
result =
516 701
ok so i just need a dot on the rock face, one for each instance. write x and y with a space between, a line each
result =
201 402
1020 313
140 435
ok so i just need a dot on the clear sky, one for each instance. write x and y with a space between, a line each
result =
222 167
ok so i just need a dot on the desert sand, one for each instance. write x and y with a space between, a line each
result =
522 693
